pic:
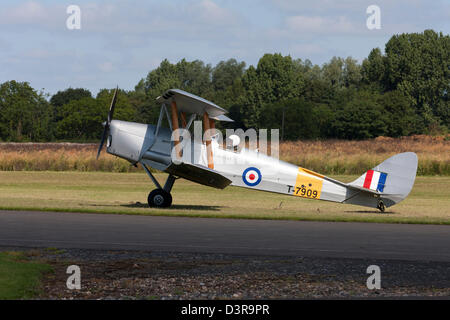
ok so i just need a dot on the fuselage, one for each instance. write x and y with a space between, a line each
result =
246 168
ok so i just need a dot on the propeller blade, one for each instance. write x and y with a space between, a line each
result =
113 105
108 122
105 131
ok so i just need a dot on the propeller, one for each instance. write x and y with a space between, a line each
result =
108 121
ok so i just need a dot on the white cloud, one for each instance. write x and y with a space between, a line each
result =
38 53
190 19
161 19
27 12
318 24
306 49
307 6
5 45
106 66
209 12
306 23
333 7
33 14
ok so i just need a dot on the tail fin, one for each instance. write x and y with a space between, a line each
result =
393 179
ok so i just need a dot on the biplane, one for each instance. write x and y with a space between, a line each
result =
210 163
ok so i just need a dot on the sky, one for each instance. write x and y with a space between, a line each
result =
119 42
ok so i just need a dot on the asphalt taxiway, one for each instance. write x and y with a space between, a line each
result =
228 236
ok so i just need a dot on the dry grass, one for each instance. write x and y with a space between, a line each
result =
327 156
355 157
58 157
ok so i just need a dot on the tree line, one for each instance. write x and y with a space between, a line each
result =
401 92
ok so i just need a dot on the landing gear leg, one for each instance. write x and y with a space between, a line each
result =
381 205
160 197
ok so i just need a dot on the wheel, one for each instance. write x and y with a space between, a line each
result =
159 198
381 206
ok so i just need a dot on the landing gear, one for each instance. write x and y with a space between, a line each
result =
159 198
381 206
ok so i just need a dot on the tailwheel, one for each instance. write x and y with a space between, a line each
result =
159 198
381 206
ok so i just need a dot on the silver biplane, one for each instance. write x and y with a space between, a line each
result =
209 163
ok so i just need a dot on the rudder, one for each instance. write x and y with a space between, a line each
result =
393 178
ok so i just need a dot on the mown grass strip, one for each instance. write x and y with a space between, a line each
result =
116 193
19 278
379 218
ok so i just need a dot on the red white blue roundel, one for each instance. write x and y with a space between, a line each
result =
251 176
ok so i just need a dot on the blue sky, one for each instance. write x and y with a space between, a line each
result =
121 41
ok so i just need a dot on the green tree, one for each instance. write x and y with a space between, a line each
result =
317 88
227 82
418 64
25 115
362 117
374 70
303 119
333 72
81 119
145 108
401 119
275 78
225 73
352 72
124 110
63 97
194 77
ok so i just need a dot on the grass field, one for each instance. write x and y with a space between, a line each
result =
19 278
126 193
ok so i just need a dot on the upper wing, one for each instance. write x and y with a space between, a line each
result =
190 103
199 174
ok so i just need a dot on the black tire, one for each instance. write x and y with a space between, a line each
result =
381 206
159 198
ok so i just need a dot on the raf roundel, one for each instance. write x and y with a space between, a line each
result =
251 176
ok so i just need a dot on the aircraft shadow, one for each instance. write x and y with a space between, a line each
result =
175 206
371 211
